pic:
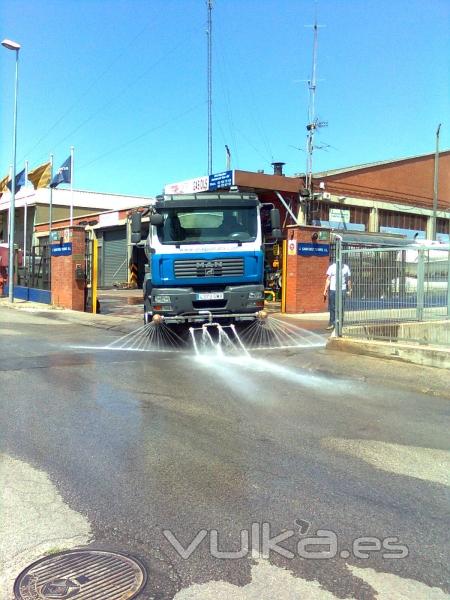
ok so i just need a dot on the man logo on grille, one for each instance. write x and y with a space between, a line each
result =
208 267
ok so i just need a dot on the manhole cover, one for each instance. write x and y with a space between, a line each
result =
82 574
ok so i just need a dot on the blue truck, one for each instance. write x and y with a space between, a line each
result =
205 256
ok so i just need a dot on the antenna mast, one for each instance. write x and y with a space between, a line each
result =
209 36
313 121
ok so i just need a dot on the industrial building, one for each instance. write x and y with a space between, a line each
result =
389 198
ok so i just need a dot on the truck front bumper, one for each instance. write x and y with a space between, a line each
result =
185 304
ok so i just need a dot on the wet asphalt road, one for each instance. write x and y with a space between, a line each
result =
141 442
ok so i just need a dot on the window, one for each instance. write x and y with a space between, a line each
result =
200 225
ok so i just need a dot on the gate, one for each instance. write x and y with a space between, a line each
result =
33 278
398 294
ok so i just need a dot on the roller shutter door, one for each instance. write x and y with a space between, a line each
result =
115 266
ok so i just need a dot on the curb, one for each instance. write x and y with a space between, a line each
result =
428 356
108 322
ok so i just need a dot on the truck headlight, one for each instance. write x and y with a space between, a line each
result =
162 299
255 295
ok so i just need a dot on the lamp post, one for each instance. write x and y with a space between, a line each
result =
10 45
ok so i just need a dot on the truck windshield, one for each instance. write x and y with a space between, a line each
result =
204 225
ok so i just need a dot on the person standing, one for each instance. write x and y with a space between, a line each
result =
330 290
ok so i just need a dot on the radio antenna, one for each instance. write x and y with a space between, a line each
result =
209 73
313 122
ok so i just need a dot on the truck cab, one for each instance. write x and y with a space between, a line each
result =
206 257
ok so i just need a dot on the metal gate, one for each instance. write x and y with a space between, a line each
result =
33 277
398 294
115 262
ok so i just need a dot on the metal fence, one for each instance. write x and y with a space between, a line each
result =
398 294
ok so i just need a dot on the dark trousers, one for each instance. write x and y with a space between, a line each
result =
332 306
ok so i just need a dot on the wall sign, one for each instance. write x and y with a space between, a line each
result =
292 247
339 215
190 186
313 250
62 249
220 180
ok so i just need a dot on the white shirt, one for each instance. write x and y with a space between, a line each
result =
331 273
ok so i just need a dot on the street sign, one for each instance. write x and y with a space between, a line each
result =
313 249
62 249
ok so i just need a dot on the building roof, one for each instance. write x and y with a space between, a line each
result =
375 164
82 198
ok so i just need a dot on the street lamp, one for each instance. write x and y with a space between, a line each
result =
10 45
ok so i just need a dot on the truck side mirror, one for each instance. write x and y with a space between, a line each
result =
276 233
156 219
136 234
275 223
275 218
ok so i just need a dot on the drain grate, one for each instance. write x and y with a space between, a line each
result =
82 575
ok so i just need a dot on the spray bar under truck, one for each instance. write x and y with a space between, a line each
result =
206 256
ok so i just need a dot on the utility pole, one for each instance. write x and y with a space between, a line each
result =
435 185
209 68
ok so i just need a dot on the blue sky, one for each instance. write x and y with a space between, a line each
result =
124 82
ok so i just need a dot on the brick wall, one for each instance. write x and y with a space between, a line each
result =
305 274
67 292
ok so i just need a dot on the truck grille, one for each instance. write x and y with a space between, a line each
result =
225 267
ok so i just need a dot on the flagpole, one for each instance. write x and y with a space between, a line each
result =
25 218
9 210
50 205
71 185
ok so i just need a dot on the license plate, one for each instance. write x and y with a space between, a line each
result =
210 296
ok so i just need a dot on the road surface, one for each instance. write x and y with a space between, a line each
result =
150 452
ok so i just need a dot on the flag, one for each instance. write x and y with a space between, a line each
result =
63 174
40 177
4 184
20 181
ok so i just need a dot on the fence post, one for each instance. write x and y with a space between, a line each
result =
448 285
94 274
420 284
339 302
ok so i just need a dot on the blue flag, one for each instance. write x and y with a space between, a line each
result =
63 174
20 181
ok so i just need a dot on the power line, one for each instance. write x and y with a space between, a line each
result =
111 101
94 82
141 135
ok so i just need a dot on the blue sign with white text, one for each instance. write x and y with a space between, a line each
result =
62 249
313 249
219 181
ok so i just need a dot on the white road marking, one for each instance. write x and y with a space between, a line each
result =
34 520
270 582
427 464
